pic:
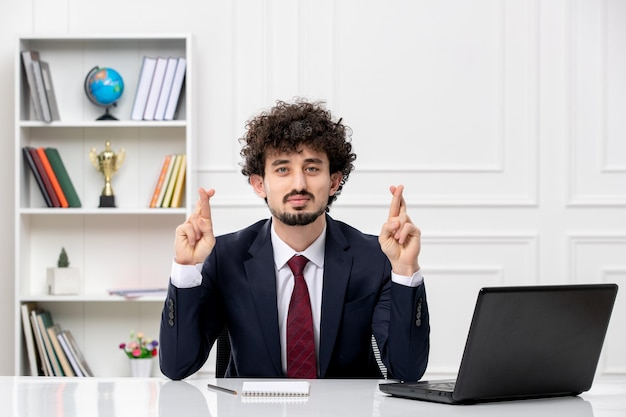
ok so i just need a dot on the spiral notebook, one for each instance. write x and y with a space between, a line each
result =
275 389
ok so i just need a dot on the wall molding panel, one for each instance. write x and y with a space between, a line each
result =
596 146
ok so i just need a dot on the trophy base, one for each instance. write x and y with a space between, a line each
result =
107 201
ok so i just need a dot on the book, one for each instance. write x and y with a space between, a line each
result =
41 91
137 292
44 319
180 182
275 388
143 87
29 336
160 181
155 88
166 87
171 182
175 92
27 60
33 168
52 177
69 354
49 88
44 177
53 332
63 177
78 354
46 366
168 174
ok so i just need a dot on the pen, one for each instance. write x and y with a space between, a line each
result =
222 389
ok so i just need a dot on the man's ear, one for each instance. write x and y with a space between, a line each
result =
256 181
335 182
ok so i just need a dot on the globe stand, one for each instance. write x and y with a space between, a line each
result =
107 115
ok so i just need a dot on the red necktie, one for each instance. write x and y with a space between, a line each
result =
301 362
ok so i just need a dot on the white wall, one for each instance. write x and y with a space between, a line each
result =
504 119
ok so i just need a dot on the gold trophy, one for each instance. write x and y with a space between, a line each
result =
108 163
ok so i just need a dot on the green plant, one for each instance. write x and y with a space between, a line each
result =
63 261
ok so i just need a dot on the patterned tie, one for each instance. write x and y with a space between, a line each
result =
301 362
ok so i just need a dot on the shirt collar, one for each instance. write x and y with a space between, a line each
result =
283 252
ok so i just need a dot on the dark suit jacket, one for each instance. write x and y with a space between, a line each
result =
239 291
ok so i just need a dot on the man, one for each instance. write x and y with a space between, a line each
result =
297 159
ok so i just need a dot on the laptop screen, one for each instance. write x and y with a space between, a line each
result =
535 340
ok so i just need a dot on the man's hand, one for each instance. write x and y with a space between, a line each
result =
399 238
194 238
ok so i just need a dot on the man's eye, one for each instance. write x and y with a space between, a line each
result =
312 169
281 170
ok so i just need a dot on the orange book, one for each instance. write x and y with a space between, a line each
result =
53 178
160 181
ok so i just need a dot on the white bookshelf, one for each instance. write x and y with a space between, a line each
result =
126 246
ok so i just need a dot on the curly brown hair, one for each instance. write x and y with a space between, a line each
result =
286 126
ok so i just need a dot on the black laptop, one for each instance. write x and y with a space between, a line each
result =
525 342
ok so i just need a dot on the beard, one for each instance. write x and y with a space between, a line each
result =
300 218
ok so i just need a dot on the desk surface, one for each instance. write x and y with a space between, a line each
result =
155 397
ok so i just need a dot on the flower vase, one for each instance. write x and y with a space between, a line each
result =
141 367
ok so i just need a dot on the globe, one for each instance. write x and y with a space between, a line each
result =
104 87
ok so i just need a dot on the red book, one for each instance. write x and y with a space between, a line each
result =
44 177
53 178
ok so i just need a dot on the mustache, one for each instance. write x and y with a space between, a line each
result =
295 192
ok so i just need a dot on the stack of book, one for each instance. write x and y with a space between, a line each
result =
159 88
170 184
52 351
41 87
51 176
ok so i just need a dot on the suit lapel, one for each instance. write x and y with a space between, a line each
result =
261 276
337 267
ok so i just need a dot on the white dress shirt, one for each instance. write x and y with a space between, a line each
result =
188 276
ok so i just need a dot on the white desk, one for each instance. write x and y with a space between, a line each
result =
154 397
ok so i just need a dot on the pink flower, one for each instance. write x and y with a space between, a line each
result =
139 346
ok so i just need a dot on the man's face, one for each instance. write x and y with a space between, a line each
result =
296 185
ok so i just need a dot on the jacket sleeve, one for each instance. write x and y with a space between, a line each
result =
404 329
191 320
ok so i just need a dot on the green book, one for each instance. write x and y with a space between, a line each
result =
45 320
63 177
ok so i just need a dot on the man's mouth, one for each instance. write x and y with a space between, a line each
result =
298 200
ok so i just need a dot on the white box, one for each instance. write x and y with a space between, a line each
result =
63 281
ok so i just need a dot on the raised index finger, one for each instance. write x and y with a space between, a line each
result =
397 205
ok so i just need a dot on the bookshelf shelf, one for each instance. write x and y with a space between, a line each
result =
126 246
92 299
70 211
108 124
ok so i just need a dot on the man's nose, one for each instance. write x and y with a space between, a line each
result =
299 181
